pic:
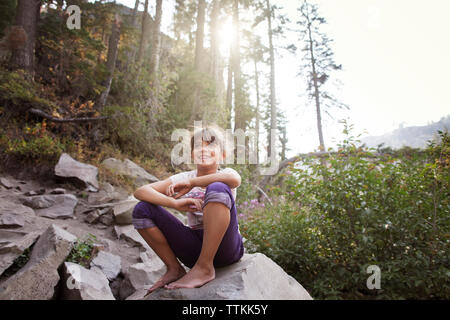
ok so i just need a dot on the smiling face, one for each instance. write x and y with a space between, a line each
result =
207 148
208 154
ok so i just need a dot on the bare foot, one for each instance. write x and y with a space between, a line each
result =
196 277
170 275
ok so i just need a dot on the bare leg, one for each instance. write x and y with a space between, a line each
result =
158 242
216 218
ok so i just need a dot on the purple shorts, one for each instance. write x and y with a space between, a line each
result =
186 242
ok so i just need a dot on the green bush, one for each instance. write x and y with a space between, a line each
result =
356 210
82 250
32 143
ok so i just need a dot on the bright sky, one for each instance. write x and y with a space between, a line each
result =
395 60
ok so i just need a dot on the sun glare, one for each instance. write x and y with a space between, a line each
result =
226 36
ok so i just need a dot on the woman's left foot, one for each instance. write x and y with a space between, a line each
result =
196 277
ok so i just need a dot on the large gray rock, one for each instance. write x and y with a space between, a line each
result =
80 283
108 263
129 169
7 183
131 236
67 167
254 277
53 205
11 220
38 278
14 242
141 276
123 210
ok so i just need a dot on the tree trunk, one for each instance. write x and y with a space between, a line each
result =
27 15
316 89
238 99
113 45
228 102
132 52
257 109
144 34
273 110
214 54
200 35
156 44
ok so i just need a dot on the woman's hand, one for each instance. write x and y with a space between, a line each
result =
181 187
188 205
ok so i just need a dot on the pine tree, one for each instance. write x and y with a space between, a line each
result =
318 62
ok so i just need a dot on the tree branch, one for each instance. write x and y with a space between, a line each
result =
51 118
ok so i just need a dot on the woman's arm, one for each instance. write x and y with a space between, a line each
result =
233 180
155 193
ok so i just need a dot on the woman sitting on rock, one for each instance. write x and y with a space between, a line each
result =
212 238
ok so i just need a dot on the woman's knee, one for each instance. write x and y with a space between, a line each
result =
218 192
218 187
142 210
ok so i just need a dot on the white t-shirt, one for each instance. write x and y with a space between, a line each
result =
195 219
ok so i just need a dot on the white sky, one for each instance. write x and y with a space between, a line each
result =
395 55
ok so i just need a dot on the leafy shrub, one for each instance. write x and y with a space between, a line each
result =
356 210
82 250
16 90
31 143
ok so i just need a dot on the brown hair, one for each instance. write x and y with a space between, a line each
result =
210 133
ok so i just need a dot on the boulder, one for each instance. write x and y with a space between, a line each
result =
53 205
7 183
67 167
38 278
14 242
106 219
130 235
141 276
11 220
92 217
254 277
80 283
129 169
123 210
108 263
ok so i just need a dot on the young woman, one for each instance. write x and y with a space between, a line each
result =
208 193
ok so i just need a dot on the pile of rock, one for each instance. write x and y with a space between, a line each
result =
42 224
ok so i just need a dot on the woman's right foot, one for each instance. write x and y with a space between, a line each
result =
171 275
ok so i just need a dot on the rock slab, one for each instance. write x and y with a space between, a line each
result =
254 277
80 283
123 210
108 263
68 167
55 206
38 278
130 170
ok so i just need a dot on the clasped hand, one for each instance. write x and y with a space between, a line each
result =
185 204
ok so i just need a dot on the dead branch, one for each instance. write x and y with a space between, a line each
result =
51 118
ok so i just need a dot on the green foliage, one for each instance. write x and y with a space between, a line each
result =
18 91
247 188
32 143
354 210
82 250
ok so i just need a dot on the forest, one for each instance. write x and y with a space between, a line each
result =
98 79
